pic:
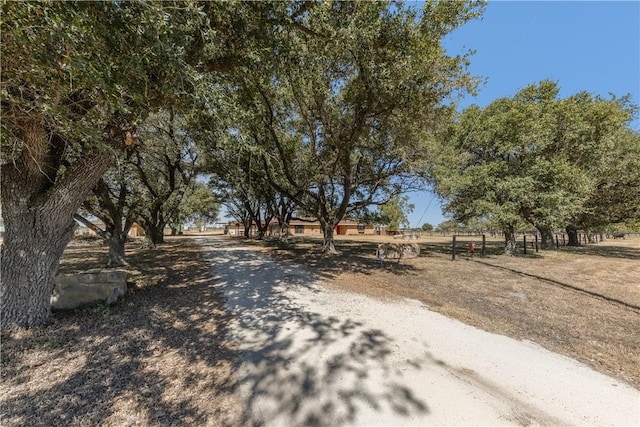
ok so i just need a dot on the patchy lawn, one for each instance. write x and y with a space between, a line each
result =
159 358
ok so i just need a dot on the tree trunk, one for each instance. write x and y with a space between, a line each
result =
30 257
157 234
148 241
262 226
572 233
328 245
284 233
546 241
115 235
39 200
116 257
153 234
510 241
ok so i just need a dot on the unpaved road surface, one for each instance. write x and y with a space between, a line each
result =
314 356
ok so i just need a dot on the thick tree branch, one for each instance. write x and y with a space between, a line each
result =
91 226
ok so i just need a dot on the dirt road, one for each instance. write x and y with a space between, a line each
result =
313 356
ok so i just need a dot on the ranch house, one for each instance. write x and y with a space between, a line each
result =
303 227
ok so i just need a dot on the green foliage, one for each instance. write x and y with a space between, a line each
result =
426 227
78 78
240 183
74 65
393 215
615 197
164 161
199 205
345 118
531 157
448 226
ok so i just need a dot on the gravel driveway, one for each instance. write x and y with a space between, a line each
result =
314 356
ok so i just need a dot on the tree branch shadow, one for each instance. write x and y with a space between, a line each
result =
160 357
299 366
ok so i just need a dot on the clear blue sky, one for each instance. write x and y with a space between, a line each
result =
582 45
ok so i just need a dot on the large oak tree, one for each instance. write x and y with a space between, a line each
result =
533 157
346 116
111 201
77 78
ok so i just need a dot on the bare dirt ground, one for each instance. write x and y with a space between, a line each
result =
159 358
581 302
163 357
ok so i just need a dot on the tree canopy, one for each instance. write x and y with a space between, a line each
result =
328 108
346 117
77 80
200 206
392 215
533 157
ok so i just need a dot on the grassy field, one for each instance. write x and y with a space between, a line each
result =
161 356
582 302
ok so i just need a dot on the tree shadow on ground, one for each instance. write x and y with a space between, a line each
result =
301 367
354 256
606 251
160 357
358 256
494 248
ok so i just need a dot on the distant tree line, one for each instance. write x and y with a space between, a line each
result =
537 160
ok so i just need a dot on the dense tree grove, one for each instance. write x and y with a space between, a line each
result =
328 109
111 201
544 160
77 79
164 161
346 118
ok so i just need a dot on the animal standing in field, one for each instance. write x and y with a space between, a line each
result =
397 251
619 235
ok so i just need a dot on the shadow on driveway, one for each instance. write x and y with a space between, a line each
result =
300 367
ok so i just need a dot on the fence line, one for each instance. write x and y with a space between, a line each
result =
533 244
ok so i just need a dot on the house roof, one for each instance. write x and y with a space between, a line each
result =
306 221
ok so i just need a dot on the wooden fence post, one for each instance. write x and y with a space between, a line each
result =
536 242
524 243
558 241
484 246
453 251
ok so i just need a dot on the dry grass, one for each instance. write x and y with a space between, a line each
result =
523 297
160 358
